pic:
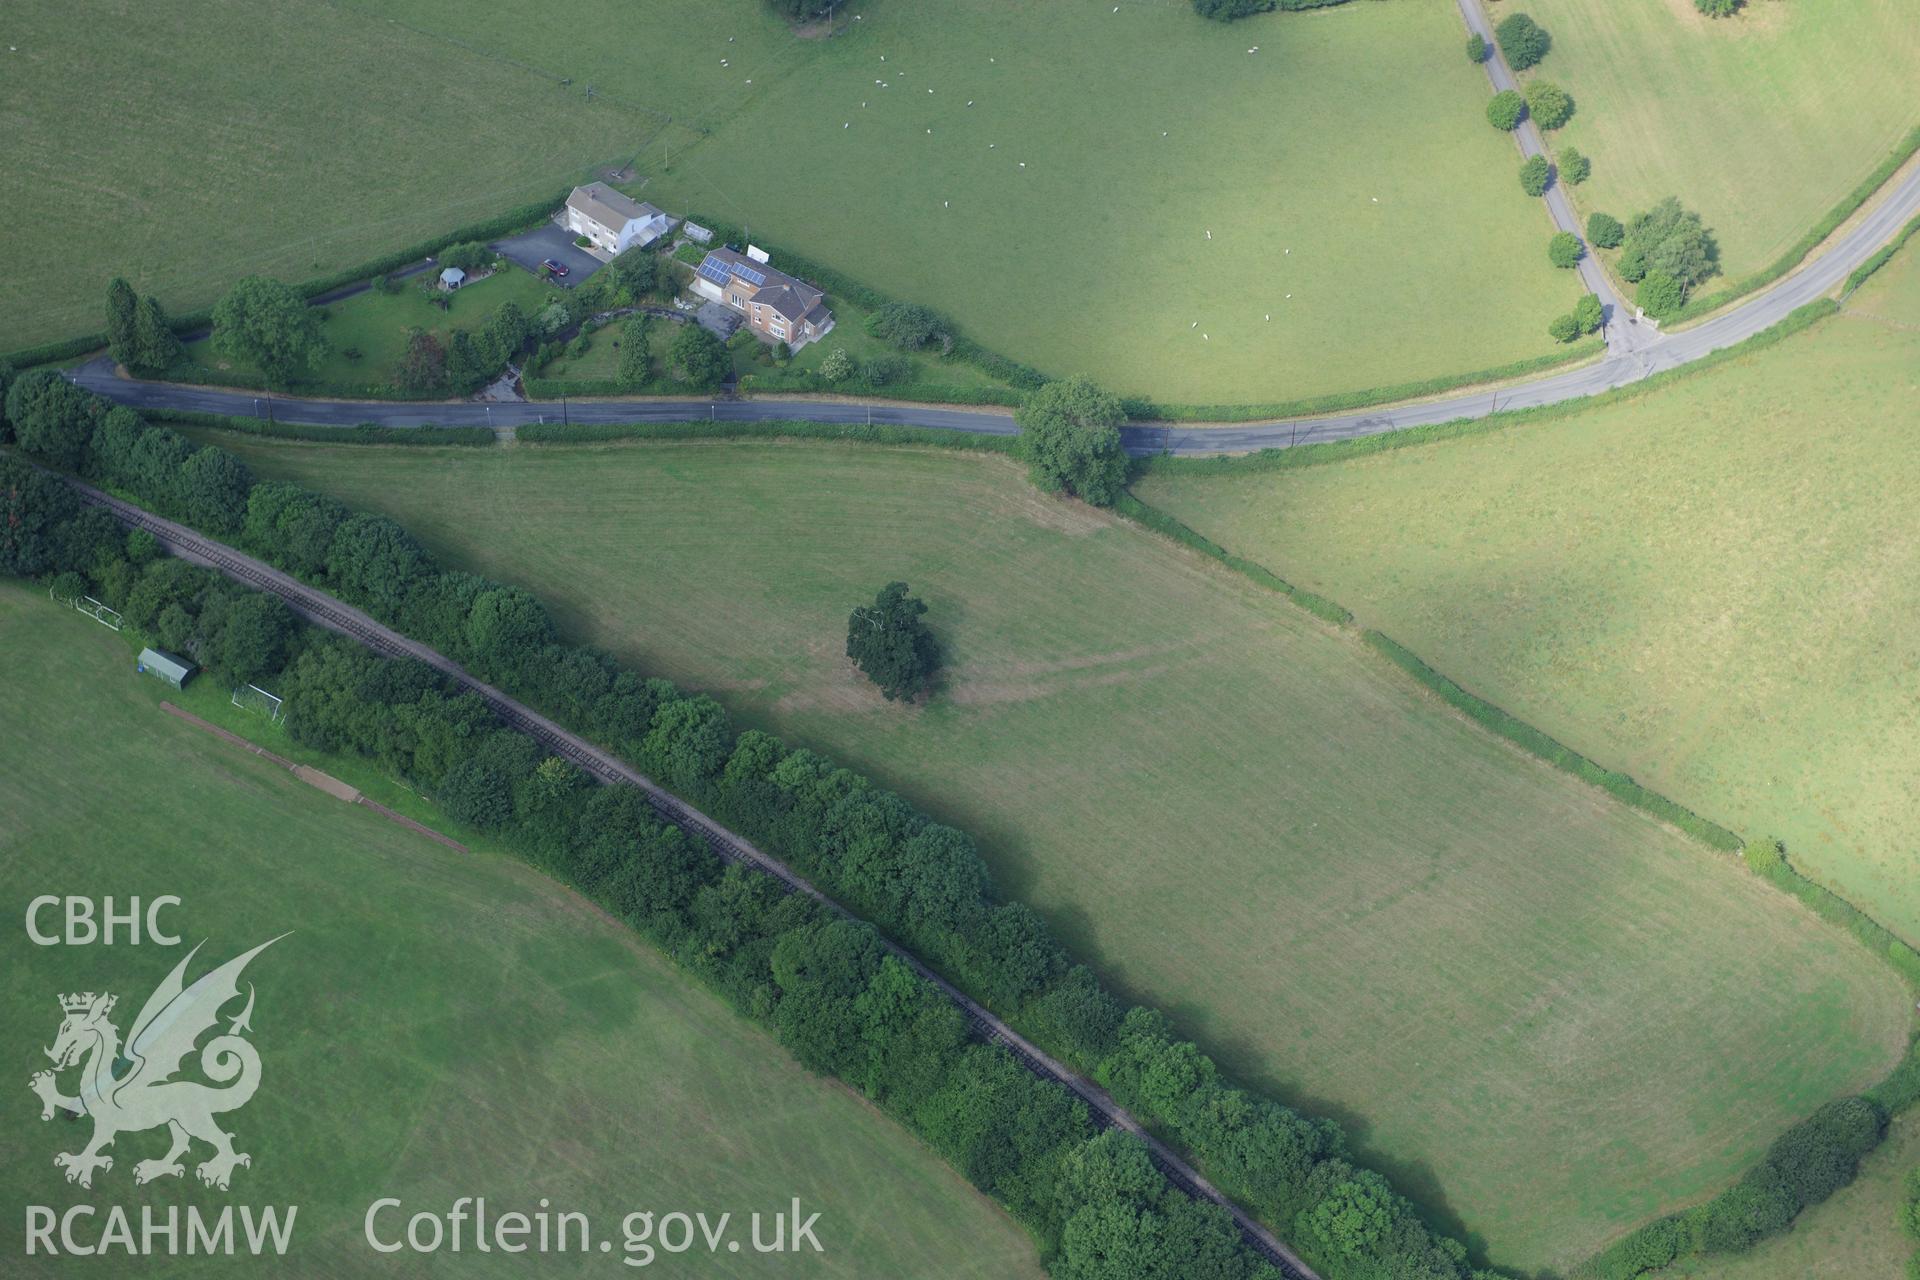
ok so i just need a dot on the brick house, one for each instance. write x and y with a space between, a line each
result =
614 222
777 306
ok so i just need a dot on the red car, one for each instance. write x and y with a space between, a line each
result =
557 270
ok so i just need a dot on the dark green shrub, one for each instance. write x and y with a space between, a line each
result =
1718 8
1478 51
1588 313
1565 249
1574 167
1228 10
885 370
1605 231
1660 294
1563 328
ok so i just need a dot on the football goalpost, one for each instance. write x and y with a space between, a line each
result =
92 608
251 697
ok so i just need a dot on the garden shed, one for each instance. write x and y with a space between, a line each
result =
175 670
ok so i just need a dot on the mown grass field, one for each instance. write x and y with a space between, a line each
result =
439 1024
1141 132
1548 1015
192 145
184 145
1710 588
1762 122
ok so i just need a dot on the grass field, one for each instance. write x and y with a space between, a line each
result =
437 1025
1544 1012
184 145
221 148
1854 1236
1141 132
1709 588
1762 122
375 325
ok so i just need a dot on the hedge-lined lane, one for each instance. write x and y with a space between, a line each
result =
1758 313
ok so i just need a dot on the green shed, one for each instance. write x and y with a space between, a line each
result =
176 671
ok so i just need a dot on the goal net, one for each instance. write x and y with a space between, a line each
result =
98 612
251 697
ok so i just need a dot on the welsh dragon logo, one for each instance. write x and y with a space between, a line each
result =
130 1087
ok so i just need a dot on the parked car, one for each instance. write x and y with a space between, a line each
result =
557 269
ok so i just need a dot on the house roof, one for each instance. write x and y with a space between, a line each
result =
608 207
791 297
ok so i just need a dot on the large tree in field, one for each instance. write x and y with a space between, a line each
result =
1070 438
266 323
891 645
1671 240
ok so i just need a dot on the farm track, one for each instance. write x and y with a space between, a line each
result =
324 610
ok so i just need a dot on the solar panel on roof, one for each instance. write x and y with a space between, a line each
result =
714 271
749 274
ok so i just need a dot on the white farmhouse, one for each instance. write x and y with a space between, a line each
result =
612 221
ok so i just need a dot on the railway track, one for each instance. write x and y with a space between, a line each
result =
324 610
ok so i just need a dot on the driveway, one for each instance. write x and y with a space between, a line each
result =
549 241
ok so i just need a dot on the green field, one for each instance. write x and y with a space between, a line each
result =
184 145
1094 258
1542 1011
1709 587
374 325
1854 1236
438 1024
297 140
1762 122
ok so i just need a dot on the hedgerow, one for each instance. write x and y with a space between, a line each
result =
922 883
824 985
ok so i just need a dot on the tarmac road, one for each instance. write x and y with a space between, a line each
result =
1643 357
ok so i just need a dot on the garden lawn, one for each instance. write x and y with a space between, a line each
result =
1711 586
184 144
437 1024
1550 1017
1762 121
375 325
187 146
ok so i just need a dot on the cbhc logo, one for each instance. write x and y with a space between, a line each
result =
84 926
